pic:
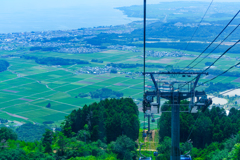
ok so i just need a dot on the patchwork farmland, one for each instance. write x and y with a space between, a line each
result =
27 87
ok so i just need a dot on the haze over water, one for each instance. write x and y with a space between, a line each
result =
26 15
31 15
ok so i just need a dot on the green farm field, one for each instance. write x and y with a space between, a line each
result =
27 87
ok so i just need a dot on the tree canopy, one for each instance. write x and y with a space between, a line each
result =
106 120
7 133
211 126
31 132
54 60
105 93
3 65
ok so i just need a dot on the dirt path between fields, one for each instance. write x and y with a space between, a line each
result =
14 115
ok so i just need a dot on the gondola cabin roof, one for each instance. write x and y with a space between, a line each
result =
185 157
145 158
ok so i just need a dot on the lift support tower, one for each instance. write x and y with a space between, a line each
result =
175 92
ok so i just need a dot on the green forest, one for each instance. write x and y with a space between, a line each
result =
219 87
3 65
110 129
215 135
105 130
29 132
54 60
127 65
102 94
97 61
105 93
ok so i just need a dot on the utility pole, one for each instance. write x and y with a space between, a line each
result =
175 125
174 93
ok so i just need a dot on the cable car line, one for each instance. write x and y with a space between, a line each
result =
197 28
221 56
144 52
144 44
213 62
199 112
198 25
219 74
147 97
214 96
230 90
227 92
214 48
213 40
212 65
193 126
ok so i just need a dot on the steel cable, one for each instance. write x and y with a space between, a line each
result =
219 74
196 29
144 53
214 48
213 62
213 40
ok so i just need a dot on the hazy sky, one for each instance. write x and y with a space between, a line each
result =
8 5
11 6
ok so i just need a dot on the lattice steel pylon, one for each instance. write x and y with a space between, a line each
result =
174 92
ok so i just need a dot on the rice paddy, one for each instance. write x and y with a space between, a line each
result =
27 87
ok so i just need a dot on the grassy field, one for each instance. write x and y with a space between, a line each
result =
27 87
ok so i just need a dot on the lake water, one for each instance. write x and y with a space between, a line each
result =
42 15
28 15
